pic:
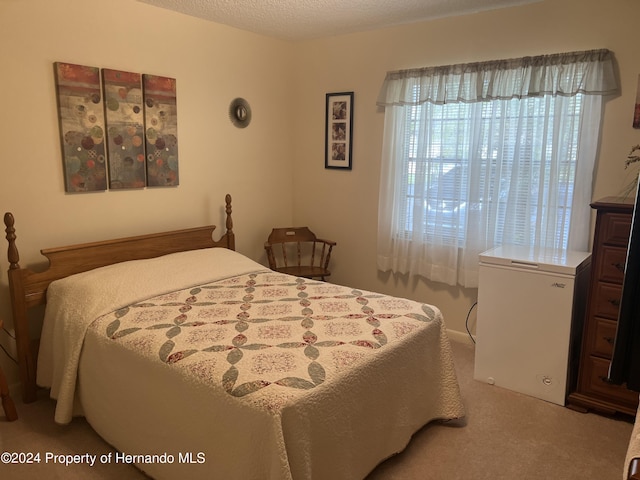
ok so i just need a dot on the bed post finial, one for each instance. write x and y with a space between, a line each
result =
12 252
231 239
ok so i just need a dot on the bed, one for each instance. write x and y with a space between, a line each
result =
194 361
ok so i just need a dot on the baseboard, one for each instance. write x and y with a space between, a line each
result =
462 337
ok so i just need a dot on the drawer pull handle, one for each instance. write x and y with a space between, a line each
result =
618 266
615 302
609 340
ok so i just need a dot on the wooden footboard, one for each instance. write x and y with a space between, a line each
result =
28 288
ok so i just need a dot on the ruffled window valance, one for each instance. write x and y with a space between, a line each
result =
566 74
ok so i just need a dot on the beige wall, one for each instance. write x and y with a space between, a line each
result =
286 85
343 205
213 64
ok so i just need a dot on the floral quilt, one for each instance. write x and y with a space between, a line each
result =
266 337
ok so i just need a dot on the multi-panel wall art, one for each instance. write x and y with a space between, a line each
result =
125 128
81 116
160 118
119 130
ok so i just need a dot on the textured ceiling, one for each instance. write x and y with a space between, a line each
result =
307 19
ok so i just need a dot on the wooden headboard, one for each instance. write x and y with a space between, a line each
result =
28 289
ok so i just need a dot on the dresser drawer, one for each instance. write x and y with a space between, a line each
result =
596 374
615 229
611 261
603 338
606 301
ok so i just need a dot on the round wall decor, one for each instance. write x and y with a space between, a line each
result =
240 112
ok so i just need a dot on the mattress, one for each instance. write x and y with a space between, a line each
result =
208 365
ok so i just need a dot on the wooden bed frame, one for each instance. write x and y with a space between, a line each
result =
27 288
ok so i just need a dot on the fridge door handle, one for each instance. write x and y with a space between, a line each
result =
521 264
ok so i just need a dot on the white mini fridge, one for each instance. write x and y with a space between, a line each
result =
531 305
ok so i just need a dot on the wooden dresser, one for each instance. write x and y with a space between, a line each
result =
592 392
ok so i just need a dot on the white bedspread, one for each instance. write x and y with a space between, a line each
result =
266 376
76 301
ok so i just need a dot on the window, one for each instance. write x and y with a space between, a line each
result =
440 176
485 154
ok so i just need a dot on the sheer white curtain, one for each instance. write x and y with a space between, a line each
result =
484 154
